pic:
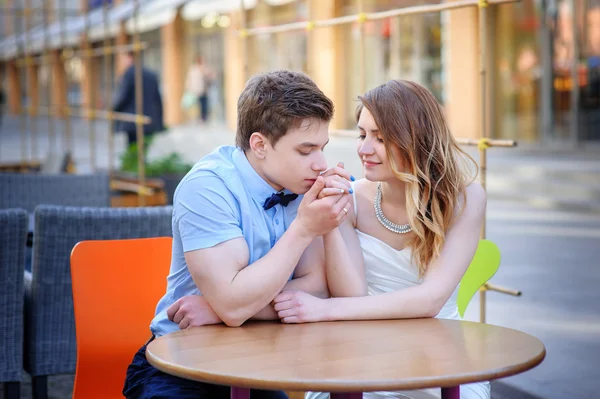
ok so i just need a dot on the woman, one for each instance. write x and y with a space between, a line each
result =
416 216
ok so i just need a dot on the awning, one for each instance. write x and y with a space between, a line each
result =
196 9
67 31
150 15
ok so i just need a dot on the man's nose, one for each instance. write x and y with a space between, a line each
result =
320 163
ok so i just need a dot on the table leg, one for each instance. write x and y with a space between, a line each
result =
451 393
240 393
346 395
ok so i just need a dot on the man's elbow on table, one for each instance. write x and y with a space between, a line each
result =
229 311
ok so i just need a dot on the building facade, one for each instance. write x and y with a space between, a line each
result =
543 64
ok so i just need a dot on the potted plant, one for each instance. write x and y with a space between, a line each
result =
169 168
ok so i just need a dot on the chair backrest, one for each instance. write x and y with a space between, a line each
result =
116 286
484 265
13 235
50 335
30 190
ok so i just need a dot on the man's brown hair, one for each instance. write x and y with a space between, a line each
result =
274 102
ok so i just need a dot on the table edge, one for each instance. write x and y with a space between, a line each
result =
345 386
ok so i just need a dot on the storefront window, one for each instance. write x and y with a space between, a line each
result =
285 50
589 71
517 71
205 39
395 48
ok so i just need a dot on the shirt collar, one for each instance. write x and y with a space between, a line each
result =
258 188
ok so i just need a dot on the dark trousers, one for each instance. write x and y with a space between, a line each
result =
203 104
143 381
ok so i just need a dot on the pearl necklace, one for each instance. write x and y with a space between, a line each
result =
396 228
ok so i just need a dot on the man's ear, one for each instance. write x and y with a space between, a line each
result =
258 145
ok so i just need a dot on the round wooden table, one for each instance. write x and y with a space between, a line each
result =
347 358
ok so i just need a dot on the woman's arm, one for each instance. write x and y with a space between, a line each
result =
424 300
344 262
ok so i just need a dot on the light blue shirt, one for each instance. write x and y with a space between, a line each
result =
221 198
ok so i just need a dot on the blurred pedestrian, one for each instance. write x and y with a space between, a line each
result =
199 78
125 100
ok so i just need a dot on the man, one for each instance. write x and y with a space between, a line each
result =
125 100
240 233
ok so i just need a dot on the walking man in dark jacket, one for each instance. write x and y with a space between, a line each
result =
125 100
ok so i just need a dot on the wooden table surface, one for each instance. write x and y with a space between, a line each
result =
350 356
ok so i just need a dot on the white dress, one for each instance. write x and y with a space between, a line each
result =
388 269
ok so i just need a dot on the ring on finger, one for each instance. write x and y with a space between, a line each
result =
345 210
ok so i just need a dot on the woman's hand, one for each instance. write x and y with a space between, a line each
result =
337 181
300 307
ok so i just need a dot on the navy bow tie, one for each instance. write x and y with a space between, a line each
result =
279 198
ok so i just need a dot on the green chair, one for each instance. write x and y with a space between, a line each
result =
484 265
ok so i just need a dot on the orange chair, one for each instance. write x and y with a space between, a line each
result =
116 286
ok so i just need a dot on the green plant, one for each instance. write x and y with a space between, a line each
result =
171 164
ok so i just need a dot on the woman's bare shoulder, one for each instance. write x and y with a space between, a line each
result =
476 201
476 193
364 188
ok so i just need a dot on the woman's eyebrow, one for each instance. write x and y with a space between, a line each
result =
372 130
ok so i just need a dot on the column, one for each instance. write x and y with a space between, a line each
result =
463 83
121 39
90 78
14 87
326 63
59 81
33 87
235 78
174 59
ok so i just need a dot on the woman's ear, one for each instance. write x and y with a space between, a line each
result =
258 145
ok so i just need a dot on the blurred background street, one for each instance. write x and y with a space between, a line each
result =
542 91
543 213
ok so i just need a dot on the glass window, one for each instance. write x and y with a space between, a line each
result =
407 47
517 71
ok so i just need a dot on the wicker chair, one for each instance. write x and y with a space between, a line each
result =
50 346
30 190
13 234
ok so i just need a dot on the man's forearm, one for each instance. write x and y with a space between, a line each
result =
255 286
267 313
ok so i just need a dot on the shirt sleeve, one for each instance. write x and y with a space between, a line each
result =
206 213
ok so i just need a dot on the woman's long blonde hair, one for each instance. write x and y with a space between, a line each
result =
433 166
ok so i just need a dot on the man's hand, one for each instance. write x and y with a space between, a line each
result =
300 307
192 311
320 216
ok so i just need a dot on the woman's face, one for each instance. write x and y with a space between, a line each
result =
371 150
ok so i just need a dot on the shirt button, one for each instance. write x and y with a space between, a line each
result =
277 221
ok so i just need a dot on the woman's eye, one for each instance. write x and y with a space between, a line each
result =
361 136
380 140
304 154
